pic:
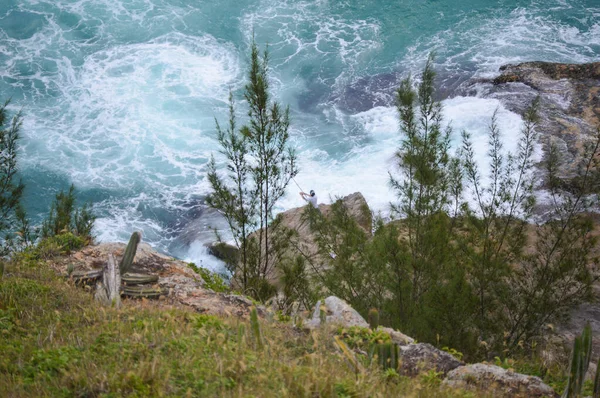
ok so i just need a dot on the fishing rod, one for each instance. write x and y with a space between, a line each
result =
301 190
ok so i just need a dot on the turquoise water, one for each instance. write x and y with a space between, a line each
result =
120 97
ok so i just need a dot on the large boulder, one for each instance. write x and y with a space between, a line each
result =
504 383
337 311
423 357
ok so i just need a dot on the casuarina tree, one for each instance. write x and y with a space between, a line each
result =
11 188
260 164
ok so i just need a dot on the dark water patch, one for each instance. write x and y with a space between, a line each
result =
367 93
380 90
22 25
68 20
314 95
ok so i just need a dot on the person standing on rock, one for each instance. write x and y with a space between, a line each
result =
310 198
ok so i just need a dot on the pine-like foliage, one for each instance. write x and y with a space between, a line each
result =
233 194
64 217
11 188
260 164
428 188
465 265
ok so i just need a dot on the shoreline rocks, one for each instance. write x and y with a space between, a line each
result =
569 101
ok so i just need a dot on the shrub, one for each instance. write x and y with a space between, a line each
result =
212 280
11 189
64 217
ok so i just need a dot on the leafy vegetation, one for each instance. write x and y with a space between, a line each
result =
64 217
465 265
56 341
212 280
11 189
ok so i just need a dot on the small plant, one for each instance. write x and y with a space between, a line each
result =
363 338
431 378
255 325
580 359
65 218
455 353
58 245
130 251
391 374
211 279
373 318
281 317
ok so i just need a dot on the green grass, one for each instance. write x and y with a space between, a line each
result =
57 342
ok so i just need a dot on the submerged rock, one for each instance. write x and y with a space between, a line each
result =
500 382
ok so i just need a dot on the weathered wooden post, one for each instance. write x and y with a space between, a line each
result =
107 291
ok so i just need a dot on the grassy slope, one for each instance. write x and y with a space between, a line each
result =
55 341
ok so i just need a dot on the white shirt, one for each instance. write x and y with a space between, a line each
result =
312 200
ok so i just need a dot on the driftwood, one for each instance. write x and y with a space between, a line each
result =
86 276
142 291
138 279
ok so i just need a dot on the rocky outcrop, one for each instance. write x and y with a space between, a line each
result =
569 101
422 357
529 72
304 243
339 312
336 311
497 381
415 359
181 284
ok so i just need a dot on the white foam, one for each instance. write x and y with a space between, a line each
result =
198 254
135 107
526 34
302 33
366 169
125 107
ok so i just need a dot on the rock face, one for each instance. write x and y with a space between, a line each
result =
357 208
304 244
569 101
422 357
497 381
182 285
338 311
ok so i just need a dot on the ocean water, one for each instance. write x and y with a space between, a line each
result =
120 96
